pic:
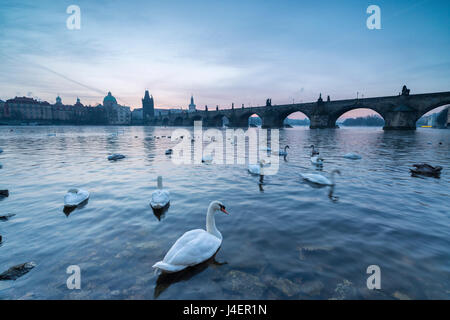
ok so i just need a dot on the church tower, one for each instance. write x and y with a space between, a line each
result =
148 107
192 105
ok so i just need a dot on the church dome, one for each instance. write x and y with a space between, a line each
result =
109 99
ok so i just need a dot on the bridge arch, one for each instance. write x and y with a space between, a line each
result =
333 117
218 120
242 120
441 118
361 117
294 118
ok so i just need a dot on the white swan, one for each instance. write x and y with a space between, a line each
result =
160 197
194 246
352 156
283 152
75 197
320 179
256 168
316 160
207 158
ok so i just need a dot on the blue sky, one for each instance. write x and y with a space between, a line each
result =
222 51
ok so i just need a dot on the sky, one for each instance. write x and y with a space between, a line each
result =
222 51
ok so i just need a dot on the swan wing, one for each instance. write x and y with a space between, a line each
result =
75 196
316 178
160 198
192 248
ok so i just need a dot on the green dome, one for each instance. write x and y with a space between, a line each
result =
109 99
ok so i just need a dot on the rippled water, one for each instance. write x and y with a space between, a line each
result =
287 241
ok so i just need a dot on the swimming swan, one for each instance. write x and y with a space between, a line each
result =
194 246
160 197
320 179
75 197
283 152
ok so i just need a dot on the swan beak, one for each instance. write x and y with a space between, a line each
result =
223 210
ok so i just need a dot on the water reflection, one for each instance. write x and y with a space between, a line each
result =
160 213
165 280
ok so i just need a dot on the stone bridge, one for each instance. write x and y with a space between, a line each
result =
399 112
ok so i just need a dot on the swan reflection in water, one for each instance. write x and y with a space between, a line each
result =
68 210
319 186
165 280
161 212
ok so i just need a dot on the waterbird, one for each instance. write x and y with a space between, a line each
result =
256 168
160 197
316 160
352 156
313 151
426 170
74 197
320 179
207 158
195 246
169 151
116 156
283 152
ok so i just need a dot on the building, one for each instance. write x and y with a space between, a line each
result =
148 107
192 105
24 108
116 114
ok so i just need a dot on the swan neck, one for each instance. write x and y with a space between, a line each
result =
160 185
211 223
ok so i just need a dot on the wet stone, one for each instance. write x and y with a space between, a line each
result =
312 288
17 271
247 285
344 290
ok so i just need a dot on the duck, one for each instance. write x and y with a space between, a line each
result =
313 151
116 156
160 197
320 179
195 246
74 197
426 170
169 151
256 169
283 152
352 156
207 158
316 160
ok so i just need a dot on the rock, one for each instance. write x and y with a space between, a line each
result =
312 288
17 271
248 286
4 193
344 290
400 296
6 217
286 286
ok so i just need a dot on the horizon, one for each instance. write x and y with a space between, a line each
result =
230 55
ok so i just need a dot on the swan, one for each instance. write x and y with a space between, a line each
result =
194 246
320 179
283 152
256 168
352 156
169 151
313 152
75 197
207 158
316 160
160 197
116 156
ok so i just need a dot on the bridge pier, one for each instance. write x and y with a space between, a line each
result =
321 121
400 120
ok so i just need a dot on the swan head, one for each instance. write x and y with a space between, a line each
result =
286 147
217 206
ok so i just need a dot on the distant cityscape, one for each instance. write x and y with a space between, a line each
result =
30 111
